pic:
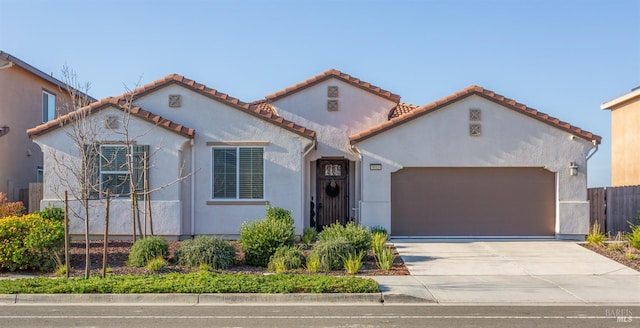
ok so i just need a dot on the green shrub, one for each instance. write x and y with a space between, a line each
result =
309 235
379 229
147 249
378 239
285 258
156 264
312 263
277 213
260 239
10 208
30 242
353 262
194 283
331 252
595 235
358 236
51 212
634 236
214 252
385 258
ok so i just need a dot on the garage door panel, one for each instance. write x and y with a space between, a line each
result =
473 202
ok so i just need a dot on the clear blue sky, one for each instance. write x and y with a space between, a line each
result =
563 58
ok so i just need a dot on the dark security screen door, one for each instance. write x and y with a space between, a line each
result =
332 190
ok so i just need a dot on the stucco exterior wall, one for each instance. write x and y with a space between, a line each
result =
441 139
165 164
21 109
216 122
358 111
625 144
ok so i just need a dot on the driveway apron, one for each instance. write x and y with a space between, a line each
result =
517 271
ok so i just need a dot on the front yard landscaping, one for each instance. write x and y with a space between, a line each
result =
266 259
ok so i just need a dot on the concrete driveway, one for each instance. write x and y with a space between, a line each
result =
531 271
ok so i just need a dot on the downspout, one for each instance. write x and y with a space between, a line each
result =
193 189
595 150
356 151
312 146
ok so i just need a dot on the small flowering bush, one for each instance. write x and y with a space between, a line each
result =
10 208
30 242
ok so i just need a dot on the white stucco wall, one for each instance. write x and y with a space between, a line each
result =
358 111
165 163
509 139
217 122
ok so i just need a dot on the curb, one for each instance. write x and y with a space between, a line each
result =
211 299
191 299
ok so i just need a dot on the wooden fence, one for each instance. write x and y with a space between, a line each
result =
614 207
35 196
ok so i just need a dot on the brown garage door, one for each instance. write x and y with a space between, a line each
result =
472 202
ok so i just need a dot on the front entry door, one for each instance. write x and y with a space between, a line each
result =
332 190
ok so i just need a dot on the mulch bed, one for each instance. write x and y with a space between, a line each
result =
118 252
617 255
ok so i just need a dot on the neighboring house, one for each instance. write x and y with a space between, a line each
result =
28 97
335 148
625 138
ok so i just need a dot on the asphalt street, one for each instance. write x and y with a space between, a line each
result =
317 316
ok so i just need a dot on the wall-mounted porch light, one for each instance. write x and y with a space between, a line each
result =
573 168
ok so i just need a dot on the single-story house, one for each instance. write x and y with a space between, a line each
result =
335 148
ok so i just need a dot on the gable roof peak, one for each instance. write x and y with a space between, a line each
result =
334 73
408 115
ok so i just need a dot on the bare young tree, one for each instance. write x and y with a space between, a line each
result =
76 176
82 175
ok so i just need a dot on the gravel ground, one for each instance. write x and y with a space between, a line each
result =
618 255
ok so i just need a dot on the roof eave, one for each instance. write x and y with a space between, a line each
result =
616 102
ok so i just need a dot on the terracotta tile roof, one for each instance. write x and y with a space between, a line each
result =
401 109
119 103
334 73
482 92
255 109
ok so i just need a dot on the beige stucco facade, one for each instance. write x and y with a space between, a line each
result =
21 89
625 139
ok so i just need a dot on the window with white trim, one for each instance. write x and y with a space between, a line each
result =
114 170
48 106
109 169
237 173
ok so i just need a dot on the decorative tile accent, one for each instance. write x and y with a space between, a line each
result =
111 122
332 91
475 130
175 101
332 105
475 114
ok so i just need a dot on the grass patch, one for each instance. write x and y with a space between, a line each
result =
196 282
